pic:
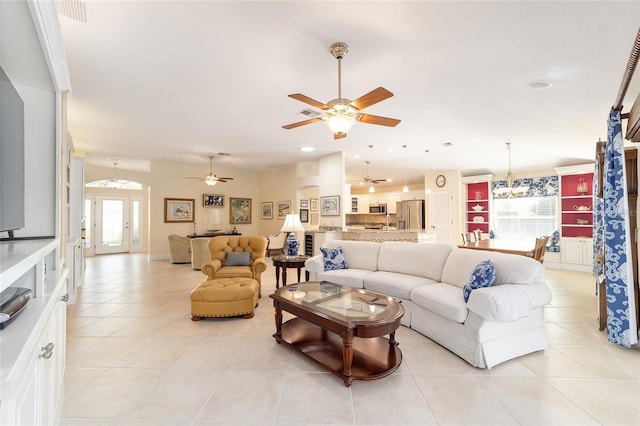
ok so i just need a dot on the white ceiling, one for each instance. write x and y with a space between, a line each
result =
180 80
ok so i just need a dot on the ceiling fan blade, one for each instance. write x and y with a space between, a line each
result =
339 136
307 100
223 179
376 119
373 97
301 123
379 180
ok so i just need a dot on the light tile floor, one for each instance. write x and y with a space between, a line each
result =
134 357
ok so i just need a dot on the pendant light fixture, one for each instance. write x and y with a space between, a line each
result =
405 188
510 190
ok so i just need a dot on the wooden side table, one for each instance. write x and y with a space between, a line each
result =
284 262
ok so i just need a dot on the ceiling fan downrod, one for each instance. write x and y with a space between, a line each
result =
339 49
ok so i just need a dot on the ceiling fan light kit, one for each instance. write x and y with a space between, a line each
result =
341 114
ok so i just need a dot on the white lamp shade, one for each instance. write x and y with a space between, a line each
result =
292 223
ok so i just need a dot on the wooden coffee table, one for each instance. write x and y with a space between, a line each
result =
340 328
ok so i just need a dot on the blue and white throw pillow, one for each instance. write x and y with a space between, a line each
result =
333 259
483 275
238 258
554 242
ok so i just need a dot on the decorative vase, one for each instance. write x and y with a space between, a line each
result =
292 244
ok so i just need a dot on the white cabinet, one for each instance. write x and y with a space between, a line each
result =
33 346
577 253
391 201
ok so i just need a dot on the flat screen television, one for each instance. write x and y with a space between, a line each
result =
12 167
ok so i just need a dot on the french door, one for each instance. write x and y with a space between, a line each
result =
117 224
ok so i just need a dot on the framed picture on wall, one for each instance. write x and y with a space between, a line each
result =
330 206
240 210
212 200
178 210
304 204
284 208
314 205
267 210
314 218
304 215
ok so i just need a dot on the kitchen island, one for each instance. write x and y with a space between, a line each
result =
380 236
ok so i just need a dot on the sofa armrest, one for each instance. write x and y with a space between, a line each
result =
314 264
211 267
508 302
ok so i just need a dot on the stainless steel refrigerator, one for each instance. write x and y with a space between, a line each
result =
410 215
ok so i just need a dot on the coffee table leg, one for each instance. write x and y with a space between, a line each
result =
347 359
392 339
277 276
278 334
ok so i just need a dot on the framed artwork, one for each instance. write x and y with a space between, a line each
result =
267 210
239 210
314 204
304 204
212 200
284 208
178 210
314 218
330 206
304 215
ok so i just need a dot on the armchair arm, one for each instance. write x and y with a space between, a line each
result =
211 267
259 266
508 302
314 264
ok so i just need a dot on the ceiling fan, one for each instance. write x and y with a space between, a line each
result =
211 179
370 180
341 113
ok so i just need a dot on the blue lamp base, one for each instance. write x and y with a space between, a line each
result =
292 244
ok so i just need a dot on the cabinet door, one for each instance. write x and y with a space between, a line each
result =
391 201
572 251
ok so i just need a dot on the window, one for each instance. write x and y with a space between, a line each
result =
519 218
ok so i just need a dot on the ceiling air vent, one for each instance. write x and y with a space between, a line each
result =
309 113
73 9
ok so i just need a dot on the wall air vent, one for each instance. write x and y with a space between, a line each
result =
73 9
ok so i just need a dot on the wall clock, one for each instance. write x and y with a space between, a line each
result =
440 181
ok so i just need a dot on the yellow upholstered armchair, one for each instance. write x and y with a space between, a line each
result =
179 248
222 265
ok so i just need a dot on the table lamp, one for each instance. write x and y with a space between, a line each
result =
292 225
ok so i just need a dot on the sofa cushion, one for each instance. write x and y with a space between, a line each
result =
348 277
394 284
483 275
333 258
238 258
358 254
510 268
442 299
422 260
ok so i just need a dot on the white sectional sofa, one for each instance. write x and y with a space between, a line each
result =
498 323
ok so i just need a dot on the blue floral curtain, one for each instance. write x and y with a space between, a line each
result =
621 319
545 186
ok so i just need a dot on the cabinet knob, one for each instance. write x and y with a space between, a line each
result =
47 351
65 298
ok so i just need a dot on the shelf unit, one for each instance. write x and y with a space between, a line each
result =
576 201
478 203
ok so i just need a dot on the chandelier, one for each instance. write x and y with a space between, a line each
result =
510 190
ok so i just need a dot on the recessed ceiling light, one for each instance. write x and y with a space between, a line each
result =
540 84
356 156
307 149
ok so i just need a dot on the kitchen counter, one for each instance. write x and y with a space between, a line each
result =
380 236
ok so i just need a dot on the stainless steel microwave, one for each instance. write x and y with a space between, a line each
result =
378 209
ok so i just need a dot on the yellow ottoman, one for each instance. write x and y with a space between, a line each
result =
224 297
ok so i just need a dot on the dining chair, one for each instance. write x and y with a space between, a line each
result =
540 248
477 234
468 237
